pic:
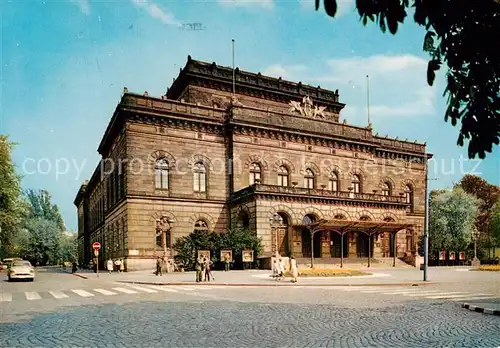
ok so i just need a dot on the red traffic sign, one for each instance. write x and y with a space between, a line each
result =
96 245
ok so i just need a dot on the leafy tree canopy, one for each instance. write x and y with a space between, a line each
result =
495 224
464 35
487 194
234 239
41 207
451 222
12 207
41 242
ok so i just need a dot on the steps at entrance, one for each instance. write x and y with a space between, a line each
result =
351 263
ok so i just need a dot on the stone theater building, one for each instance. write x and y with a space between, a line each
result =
227 148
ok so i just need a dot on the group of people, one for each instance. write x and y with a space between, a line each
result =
163 264
203 269
116 265
278 269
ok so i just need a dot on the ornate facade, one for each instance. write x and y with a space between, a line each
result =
273 157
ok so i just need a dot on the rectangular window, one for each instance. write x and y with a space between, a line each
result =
332 185
356 187
164 182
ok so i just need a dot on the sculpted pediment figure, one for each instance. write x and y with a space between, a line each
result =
307 108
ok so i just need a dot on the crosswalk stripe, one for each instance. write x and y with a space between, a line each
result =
424 293
31 295
126 291
475 298
185 288
382 290
143 289
163 288
105 292
58 294
5 297
450 295
403 292
82 293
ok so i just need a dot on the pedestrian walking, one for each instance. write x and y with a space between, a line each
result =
227 262
118 264
109 266
280 270
208 271
122 266
293 269
198 268
158 267
274 269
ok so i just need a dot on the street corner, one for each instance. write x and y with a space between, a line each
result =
484 308
83 276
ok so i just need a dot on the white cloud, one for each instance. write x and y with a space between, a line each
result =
84 5
248 3
156 12
398 85
343 6
289 73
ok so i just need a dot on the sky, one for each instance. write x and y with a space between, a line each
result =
64 65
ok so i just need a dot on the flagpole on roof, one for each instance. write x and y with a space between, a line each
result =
234 78
368 99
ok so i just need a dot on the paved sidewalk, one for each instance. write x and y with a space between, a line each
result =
259 278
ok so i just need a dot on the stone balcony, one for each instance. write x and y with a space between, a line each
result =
318 194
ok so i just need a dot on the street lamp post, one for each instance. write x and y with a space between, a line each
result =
475 236
426 224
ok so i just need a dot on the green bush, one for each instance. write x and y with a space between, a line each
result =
236 240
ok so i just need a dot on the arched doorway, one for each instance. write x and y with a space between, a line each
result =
307 248
363 241
284 235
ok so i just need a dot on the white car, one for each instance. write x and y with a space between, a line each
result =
21 270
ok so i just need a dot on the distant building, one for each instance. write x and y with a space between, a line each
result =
275 160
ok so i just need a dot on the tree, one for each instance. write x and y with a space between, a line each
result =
488 195
42 241
495 224
234 239
461 34
12 207
451 220
40 203
68 248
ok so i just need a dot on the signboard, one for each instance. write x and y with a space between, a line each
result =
247 255
96 246
461 255
226 255
452 255
442 255
204 253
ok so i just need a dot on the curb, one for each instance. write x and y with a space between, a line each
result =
267 284
80 275
481 309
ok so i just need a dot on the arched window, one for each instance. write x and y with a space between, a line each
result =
356 183
200 176
386 189
364 218
333 182
309 179
409 196
200 226
255 173
161 170
283 176
339 217
245 220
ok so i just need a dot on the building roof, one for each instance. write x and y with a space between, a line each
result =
221 77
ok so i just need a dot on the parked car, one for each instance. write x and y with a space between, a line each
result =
21 269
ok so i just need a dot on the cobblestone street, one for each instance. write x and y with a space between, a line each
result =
61 310
230 324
